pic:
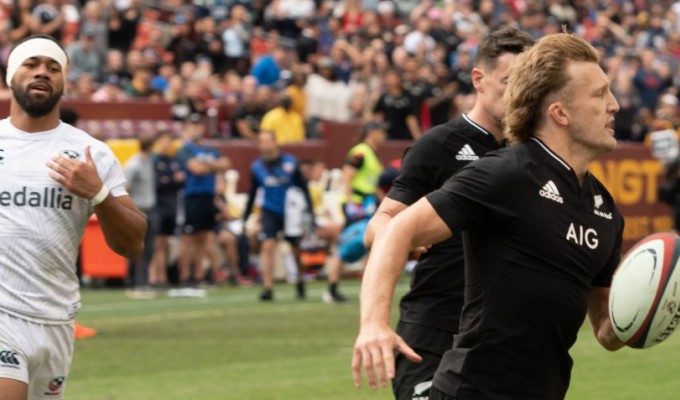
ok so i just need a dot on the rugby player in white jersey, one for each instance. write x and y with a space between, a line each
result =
52 178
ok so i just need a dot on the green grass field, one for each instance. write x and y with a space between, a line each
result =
230 346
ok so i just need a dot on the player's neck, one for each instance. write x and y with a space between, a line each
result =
23 121
483 119
571 153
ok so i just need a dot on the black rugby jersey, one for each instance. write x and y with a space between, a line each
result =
436 294
535 243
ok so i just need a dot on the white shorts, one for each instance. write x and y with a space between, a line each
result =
39 355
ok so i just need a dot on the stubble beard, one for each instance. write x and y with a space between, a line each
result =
33 106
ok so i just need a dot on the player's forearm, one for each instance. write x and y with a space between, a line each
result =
123 225
385 265
598 316
375 225
387 210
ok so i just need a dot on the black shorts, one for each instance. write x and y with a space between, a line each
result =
199 214
412 380
167 223
272 224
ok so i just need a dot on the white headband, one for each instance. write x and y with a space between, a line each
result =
34 48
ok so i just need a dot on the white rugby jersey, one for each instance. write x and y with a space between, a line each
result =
41 223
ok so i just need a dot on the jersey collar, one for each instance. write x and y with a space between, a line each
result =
476 125
551 153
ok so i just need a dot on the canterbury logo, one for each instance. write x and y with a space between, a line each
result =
549 191
9 357
466 154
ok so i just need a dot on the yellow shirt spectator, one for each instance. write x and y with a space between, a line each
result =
287 125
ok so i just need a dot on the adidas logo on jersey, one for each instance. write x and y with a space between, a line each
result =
549 191
466 154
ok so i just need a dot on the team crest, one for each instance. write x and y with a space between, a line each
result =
55 386
598 201
70 154
288 167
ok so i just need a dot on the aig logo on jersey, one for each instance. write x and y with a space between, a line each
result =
549 191
70 154
583 236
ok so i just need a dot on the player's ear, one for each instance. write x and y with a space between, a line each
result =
558 113
477 76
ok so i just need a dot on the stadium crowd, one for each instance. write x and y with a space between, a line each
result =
331 59
285 66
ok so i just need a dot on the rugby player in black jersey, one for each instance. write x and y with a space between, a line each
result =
429 311
542 239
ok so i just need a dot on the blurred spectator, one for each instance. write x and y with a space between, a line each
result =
296 91
94 22
360 173
282 15
418 77
154 52
327 97
267 70
396 107
139 173
22 23
140 86
278 175
419 41
169 180
360 193
161 80
85 57
182 46
123 25
209 44
50 18
439 97
115 65
202 163
83 88
287 124
652 78
110 91
307 45
236 38
350 13
248 116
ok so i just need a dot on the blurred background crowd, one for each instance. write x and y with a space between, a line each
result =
407 62
288 66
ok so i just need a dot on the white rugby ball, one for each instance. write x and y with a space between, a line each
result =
645 291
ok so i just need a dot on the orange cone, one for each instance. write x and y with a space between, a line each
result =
83 332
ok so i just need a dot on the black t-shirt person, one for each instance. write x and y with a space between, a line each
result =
395 110
437 284
535 243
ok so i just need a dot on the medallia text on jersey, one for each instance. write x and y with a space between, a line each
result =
47 197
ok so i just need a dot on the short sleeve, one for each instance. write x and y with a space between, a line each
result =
486 191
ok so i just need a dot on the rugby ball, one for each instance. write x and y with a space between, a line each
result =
645 291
